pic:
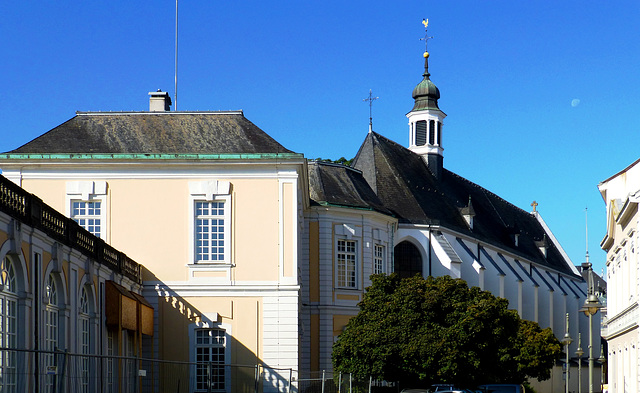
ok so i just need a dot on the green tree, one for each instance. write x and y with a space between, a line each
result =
340 160
423 331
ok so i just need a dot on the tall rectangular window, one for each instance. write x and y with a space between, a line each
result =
432 132
210 231
8 330
88 215
421 133
346 264
378 259
84 344
210 355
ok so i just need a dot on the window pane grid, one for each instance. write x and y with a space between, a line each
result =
210 225
210 355
346 264
8 327
88 215
378 259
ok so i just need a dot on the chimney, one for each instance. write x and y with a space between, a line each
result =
159 101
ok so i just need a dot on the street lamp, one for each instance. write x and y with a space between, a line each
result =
602 360
590 308
579 353
566 340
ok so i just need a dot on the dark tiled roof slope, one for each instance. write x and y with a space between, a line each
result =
339 185
405 186
160 133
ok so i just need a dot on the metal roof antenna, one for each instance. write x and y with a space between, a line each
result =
586 230
370 99
175 92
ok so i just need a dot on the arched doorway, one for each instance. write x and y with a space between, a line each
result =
407 260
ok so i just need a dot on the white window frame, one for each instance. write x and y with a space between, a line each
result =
342 277
227 348
89 191
8 325
379 259
51 324
88 206
216 351
84 339
210 191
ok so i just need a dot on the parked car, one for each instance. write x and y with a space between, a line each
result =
442 387
501 388
456 391
448 388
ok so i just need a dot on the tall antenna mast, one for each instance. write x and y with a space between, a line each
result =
175 91
370 99
586 230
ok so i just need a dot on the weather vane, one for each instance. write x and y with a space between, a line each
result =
426 38
370 100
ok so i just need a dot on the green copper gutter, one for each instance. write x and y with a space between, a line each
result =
150 156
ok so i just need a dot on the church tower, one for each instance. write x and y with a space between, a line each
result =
425 119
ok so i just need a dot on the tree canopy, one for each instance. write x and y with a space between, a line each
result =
438 330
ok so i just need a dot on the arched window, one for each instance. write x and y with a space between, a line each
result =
407 261
8 325
51 325
84 339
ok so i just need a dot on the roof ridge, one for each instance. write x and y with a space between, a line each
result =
100 113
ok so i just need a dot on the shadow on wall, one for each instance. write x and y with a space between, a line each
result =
194 344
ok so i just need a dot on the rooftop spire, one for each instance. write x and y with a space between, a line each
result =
425 118
426 39
370 99
425 94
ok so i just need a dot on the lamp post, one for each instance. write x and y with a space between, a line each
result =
590 308
602 360
566 340
579 353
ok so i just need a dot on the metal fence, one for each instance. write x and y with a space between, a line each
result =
56 372
327 382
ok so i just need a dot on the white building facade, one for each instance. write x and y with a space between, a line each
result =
621 194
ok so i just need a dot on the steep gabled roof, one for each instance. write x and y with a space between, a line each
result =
407 187
154 132
339 185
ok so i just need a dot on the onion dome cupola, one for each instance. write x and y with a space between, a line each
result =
425 119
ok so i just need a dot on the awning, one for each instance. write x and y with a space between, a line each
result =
128 310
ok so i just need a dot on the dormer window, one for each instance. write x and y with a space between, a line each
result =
543 245
468 213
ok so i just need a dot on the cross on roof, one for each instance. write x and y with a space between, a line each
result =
534 204
426 37
370 99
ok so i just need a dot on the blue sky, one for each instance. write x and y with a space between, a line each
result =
508 73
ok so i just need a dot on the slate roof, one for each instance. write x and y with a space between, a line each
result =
150 132
339 185
405 185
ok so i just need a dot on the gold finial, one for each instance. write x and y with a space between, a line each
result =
534 204
425 22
